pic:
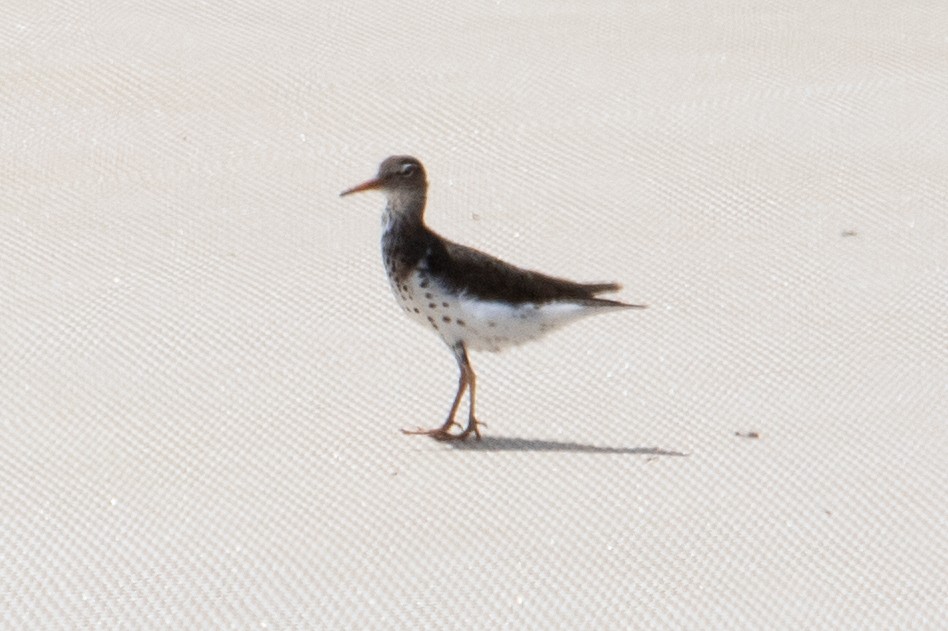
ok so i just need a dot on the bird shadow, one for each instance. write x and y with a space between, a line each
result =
509 443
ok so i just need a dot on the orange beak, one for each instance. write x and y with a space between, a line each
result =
365 186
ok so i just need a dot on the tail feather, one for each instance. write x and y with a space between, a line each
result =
605 302
601 288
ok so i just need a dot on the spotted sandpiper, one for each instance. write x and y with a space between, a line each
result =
472 300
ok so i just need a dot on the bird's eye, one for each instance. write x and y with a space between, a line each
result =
407 169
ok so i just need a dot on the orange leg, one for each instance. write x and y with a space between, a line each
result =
466 379
472 422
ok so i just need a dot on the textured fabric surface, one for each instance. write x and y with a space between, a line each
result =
204 373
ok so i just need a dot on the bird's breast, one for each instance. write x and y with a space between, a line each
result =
479 324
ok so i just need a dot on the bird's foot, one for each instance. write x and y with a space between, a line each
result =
443 433
472 428
438 433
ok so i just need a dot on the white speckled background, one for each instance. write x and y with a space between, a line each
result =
204 373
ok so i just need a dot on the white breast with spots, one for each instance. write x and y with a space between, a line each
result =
481 325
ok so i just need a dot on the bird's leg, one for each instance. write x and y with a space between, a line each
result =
443 432
472 421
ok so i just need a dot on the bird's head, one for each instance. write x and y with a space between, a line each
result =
401 178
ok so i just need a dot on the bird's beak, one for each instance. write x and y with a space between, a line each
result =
365 186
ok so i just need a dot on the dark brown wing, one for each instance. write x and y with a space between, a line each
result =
478 274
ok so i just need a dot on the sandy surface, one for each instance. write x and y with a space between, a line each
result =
204 374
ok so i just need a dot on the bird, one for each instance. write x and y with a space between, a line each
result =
472 300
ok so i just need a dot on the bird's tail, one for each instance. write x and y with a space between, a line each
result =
601 288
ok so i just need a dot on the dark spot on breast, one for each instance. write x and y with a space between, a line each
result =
491 324
444 304
416 310
432 305
460 322
404 287
424 283
446 319
430 319
428 295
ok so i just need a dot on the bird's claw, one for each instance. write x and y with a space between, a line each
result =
443 433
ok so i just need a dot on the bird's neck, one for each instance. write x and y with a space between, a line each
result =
404 212
404 234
